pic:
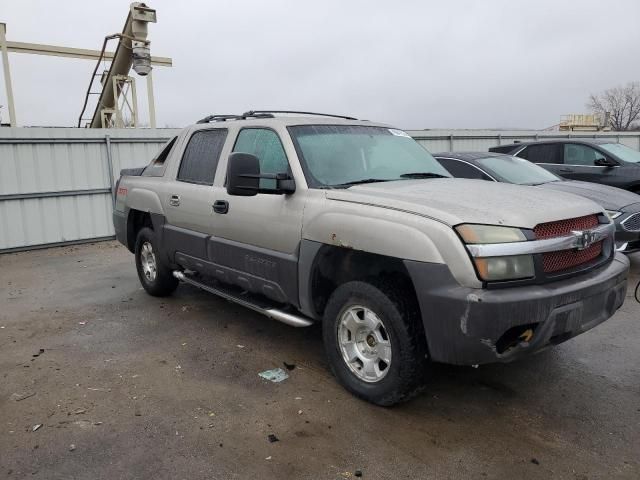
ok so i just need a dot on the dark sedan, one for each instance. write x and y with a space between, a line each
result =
623 207
596 160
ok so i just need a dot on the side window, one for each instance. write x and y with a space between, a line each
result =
266 145
200 158
462 170
549 153
156 167
162 156
575 154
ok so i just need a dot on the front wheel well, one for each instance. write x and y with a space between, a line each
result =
136 221
334 266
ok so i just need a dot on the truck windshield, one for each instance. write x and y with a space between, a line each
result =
339 155
517 170
623 152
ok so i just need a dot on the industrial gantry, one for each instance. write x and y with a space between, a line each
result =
117 102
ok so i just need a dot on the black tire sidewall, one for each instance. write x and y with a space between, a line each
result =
401 379
164 282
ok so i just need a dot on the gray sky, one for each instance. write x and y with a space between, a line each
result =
414 64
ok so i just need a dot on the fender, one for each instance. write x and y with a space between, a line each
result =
144 200
390 238
393 233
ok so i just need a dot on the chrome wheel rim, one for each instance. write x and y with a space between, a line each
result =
364 343
148 262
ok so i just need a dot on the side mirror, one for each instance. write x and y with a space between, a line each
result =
605 162
243 177
243 174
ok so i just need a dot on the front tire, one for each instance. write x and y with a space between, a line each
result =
156 278
375 343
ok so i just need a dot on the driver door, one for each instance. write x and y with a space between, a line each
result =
580 163
260 235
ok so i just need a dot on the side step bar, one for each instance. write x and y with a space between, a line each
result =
284 317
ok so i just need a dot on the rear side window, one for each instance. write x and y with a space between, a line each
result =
575 154
550 153
266 145
162 156
462 170
156 167
200 158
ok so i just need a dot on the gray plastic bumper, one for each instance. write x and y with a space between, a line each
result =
467 326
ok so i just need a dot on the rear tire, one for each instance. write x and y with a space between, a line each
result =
155 276
375 343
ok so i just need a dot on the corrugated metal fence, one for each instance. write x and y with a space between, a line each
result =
55 183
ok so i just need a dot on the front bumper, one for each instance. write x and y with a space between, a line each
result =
466 326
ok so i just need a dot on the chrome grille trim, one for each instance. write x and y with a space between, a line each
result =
533 247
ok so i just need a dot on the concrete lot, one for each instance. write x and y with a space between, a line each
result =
130 386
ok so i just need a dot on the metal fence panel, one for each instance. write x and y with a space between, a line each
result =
55 183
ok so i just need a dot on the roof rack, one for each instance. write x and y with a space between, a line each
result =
265 114
252 113
224 118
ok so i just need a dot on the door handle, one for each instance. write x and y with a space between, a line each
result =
566 170
221 206
174 200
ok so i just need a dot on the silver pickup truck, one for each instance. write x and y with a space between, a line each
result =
320 218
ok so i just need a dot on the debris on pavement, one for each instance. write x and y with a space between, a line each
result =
268 458
276 375
79 411
535 461
36 427
240 346
40 352
272 438
72 447
18 397
358 473
289 366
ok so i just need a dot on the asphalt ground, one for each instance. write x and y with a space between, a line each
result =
124 385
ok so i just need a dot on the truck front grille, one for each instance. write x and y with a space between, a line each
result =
567 259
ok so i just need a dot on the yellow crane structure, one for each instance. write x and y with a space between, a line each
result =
116 106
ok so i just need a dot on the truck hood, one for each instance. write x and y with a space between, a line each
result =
455 200
611 198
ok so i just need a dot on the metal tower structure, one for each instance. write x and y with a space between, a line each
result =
117 102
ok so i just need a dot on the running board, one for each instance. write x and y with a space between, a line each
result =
274 313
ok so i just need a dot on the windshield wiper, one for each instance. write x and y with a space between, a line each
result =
363 180
422 175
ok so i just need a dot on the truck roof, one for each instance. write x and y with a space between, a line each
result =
284 118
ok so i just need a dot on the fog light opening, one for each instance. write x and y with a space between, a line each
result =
522 334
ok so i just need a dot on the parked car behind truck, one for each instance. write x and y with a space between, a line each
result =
318 218
589 160
622 206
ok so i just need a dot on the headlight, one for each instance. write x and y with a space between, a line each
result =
498 268
505 268
613 214
490 234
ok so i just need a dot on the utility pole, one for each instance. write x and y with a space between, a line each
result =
7 75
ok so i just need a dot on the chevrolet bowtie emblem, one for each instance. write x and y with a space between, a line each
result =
584 238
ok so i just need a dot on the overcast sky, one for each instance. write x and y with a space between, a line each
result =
414 64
